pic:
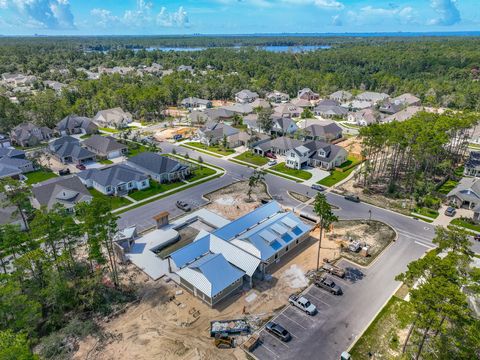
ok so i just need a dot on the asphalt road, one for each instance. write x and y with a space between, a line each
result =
340 319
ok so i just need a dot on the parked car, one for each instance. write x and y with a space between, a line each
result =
328 284
272 162
334 270
476 237
303 304
183 205
318 187
177 137
353 198
64 172
450 211
278 331
80 167
270 155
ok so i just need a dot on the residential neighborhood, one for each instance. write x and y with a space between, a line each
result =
259 196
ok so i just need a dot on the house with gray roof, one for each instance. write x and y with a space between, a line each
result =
283 126
159 168
390 108
12 153
330 111
403 115
317 154
307 94
74 124
217 114
10 215
341 96
28 134
114 118
261 103
195 103
277 97
466 194
278 145
245 96
325 131
68 150
105 147
302 103
472 165
287 110
372 97
213 133
239 108
14 167
364 117
67 191
118 180
4 141
407 99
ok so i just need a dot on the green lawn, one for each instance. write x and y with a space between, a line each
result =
215 149
39 176
301 174
381 336
115 201
106 162
465 224
109 130
426 212
135 149
201 173
337 175
154 189
447 187
252 158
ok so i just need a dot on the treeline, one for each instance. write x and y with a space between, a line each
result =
410 158
64 276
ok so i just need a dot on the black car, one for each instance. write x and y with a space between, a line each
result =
183 205
353 198
450 211
278 330
318 187
64 172
328 284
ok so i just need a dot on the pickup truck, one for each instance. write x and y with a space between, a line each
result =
303 304
334 270
329 285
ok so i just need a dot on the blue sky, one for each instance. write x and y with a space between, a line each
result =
138 17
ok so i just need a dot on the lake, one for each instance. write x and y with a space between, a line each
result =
271 48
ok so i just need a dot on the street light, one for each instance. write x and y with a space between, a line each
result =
369 214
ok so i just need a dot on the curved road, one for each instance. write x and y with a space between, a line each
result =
342 322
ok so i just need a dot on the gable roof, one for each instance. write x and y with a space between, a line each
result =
67 190
282 143
73 121
341 95
156 163
245 93
74 150
372 96
283 123
404 114
468 189
11 153
113 116
406 99
327 128
103 144
113 175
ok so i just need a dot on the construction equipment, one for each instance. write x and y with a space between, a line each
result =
223 341
252 342
229 327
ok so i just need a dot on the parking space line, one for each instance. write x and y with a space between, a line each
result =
425 245
280 341
303 327
342 281
266 348
317 298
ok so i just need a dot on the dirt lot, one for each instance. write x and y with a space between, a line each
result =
353 145
167 134
230 203
375 234
379 200
175 112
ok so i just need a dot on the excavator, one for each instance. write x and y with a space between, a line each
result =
223 341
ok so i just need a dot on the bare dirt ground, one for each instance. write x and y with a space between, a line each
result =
217 103
53 164
175 112
376 235
230 203
168 133
353 145
379 200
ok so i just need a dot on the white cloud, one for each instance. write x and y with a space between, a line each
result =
447 11
46 14
142 16
325 4
337 20
369 15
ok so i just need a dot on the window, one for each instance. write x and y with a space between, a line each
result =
286 249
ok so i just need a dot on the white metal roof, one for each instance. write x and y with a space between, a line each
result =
234 255
289 222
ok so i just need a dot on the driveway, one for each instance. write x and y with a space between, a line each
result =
444 220
317 175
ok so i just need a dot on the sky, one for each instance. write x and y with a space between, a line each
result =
162 17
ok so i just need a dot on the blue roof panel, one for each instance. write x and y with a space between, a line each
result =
189 253
276 245
287 238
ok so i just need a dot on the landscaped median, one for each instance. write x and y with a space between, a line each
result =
216 151
340 173
466 224
203 173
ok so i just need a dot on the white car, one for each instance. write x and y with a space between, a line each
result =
272 162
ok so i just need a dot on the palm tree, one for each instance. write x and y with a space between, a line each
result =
326 218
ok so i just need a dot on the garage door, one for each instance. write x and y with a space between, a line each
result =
114 154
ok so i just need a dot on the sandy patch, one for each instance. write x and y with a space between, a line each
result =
353 145
168 133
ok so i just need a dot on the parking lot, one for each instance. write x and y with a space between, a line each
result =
301 326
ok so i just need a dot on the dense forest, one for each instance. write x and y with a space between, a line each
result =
441 71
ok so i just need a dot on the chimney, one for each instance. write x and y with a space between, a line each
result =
161 219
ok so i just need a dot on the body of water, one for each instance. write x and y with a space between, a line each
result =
271 48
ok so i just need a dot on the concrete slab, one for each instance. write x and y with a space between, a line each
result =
317 175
